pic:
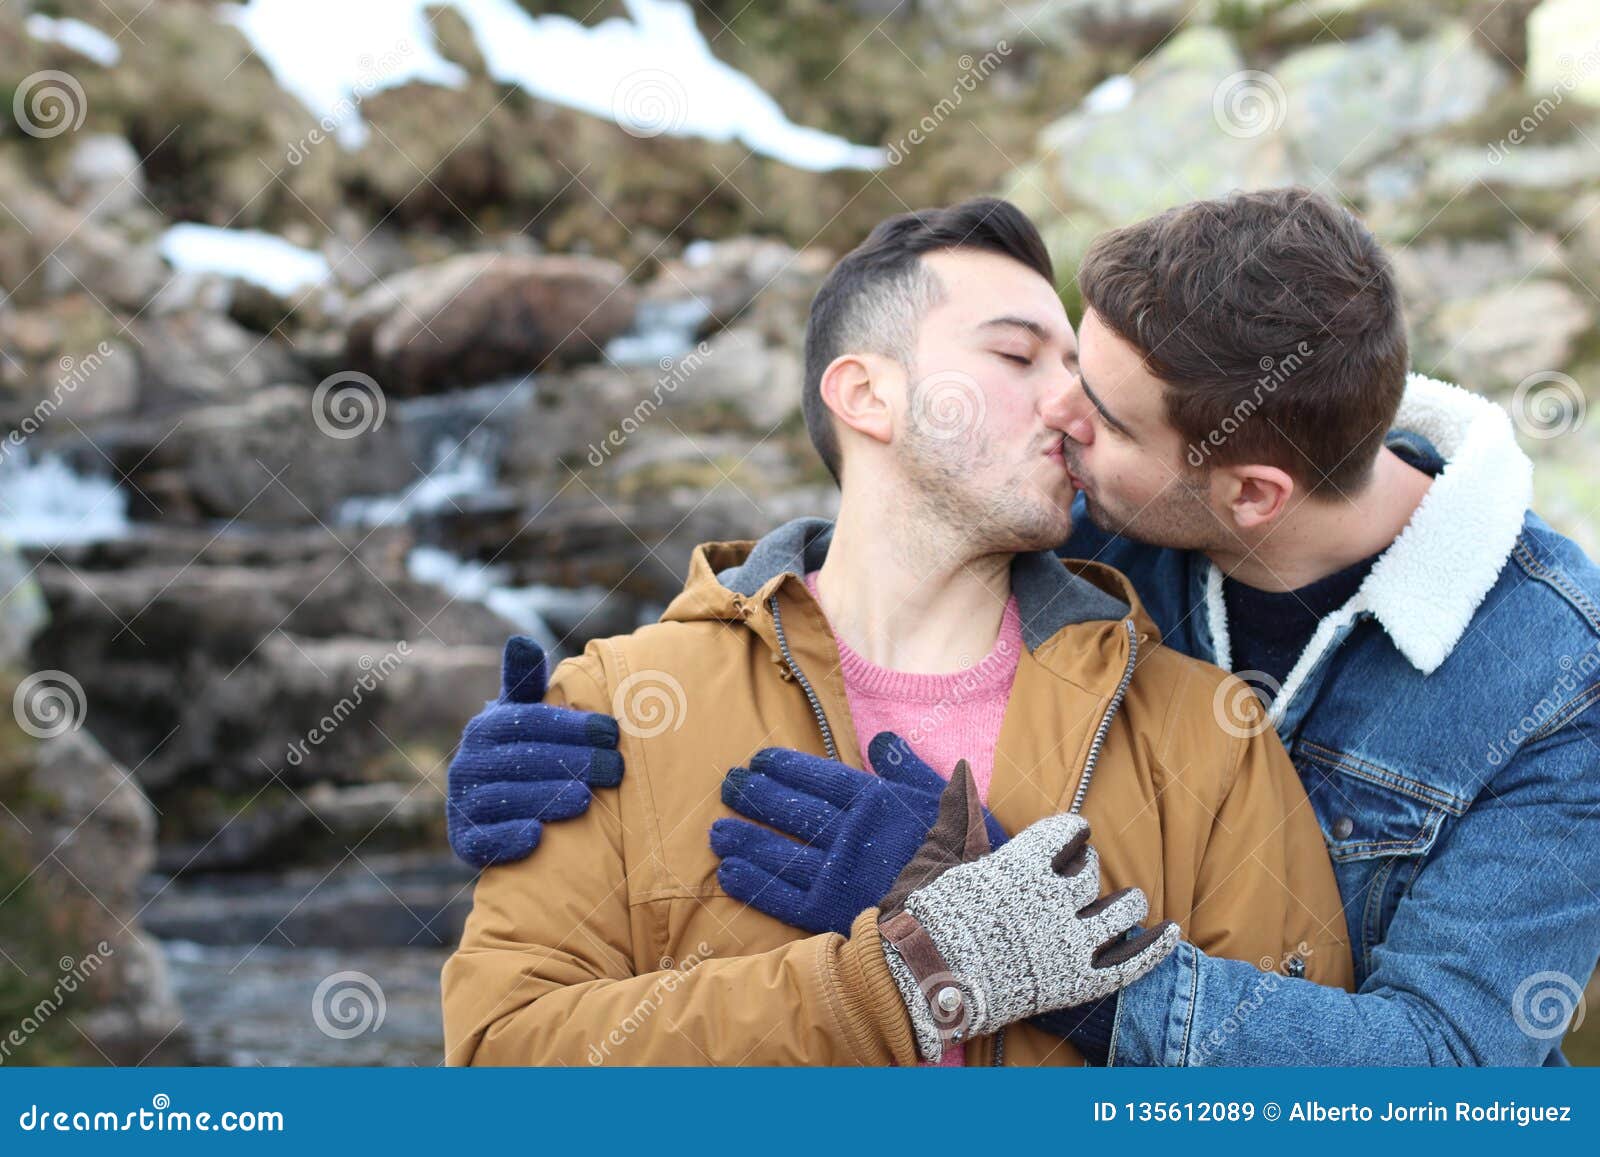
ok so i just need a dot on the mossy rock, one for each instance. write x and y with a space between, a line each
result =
37 943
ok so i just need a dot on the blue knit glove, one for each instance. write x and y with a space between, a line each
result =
857 831
522 764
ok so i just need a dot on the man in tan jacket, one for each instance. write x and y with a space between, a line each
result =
932 353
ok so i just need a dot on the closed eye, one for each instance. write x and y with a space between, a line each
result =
1018 359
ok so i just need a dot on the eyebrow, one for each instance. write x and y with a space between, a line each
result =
1104 413
1039 331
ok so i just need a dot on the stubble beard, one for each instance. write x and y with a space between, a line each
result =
1015 518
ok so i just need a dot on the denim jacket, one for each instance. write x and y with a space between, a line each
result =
1444 725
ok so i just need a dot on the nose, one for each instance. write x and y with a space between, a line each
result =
1065 408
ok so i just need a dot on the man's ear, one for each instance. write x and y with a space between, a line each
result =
1257 495
853 388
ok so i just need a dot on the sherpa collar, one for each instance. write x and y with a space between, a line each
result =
1425 588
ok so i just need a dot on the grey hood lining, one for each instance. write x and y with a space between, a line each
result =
1049 597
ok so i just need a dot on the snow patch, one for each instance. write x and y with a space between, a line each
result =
84 39
260 258
653 73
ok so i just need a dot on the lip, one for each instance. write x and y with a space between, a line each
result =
1057 454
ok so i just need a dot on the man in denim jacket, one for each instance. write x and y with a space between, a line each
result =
1429 647
1443 721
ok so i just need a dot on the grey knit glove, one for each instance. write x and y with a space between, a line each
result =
1018 932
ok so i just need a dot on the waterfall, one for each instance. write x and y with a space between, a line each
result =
47 503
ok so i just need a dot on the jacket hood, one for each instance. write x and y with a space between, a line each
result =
1052 594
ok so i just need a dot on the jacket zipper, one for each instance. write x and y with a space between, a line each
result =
1088 768
1088 764
1105 720
805 684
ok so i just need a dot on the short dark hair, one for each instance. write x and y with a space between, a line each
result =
873 299
1272 316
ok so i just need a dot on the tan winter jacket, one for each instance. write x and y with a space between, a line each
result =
613 944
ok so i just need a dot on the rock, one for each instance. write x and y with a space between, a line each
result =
1135 23
77 836
272 458
574 413
22 607
116 846
276 825
1204 126
360 256
158 546
1581 226
1349 103
103 176
1564 487
48 250
143 1023
725 277
1501 336
197 357
745 379
1432 271
418 691
1564 50
477 317
222 141
640 545
65 363
1519 166
1503 30
211 674
379 899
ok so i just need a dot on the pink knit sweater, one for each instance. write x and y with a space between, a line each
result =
945 718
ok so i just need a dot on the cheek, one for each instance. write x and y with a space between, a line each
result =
1132 476
1007 416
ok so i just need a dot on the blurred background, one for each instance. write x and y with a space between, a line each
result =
340 340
